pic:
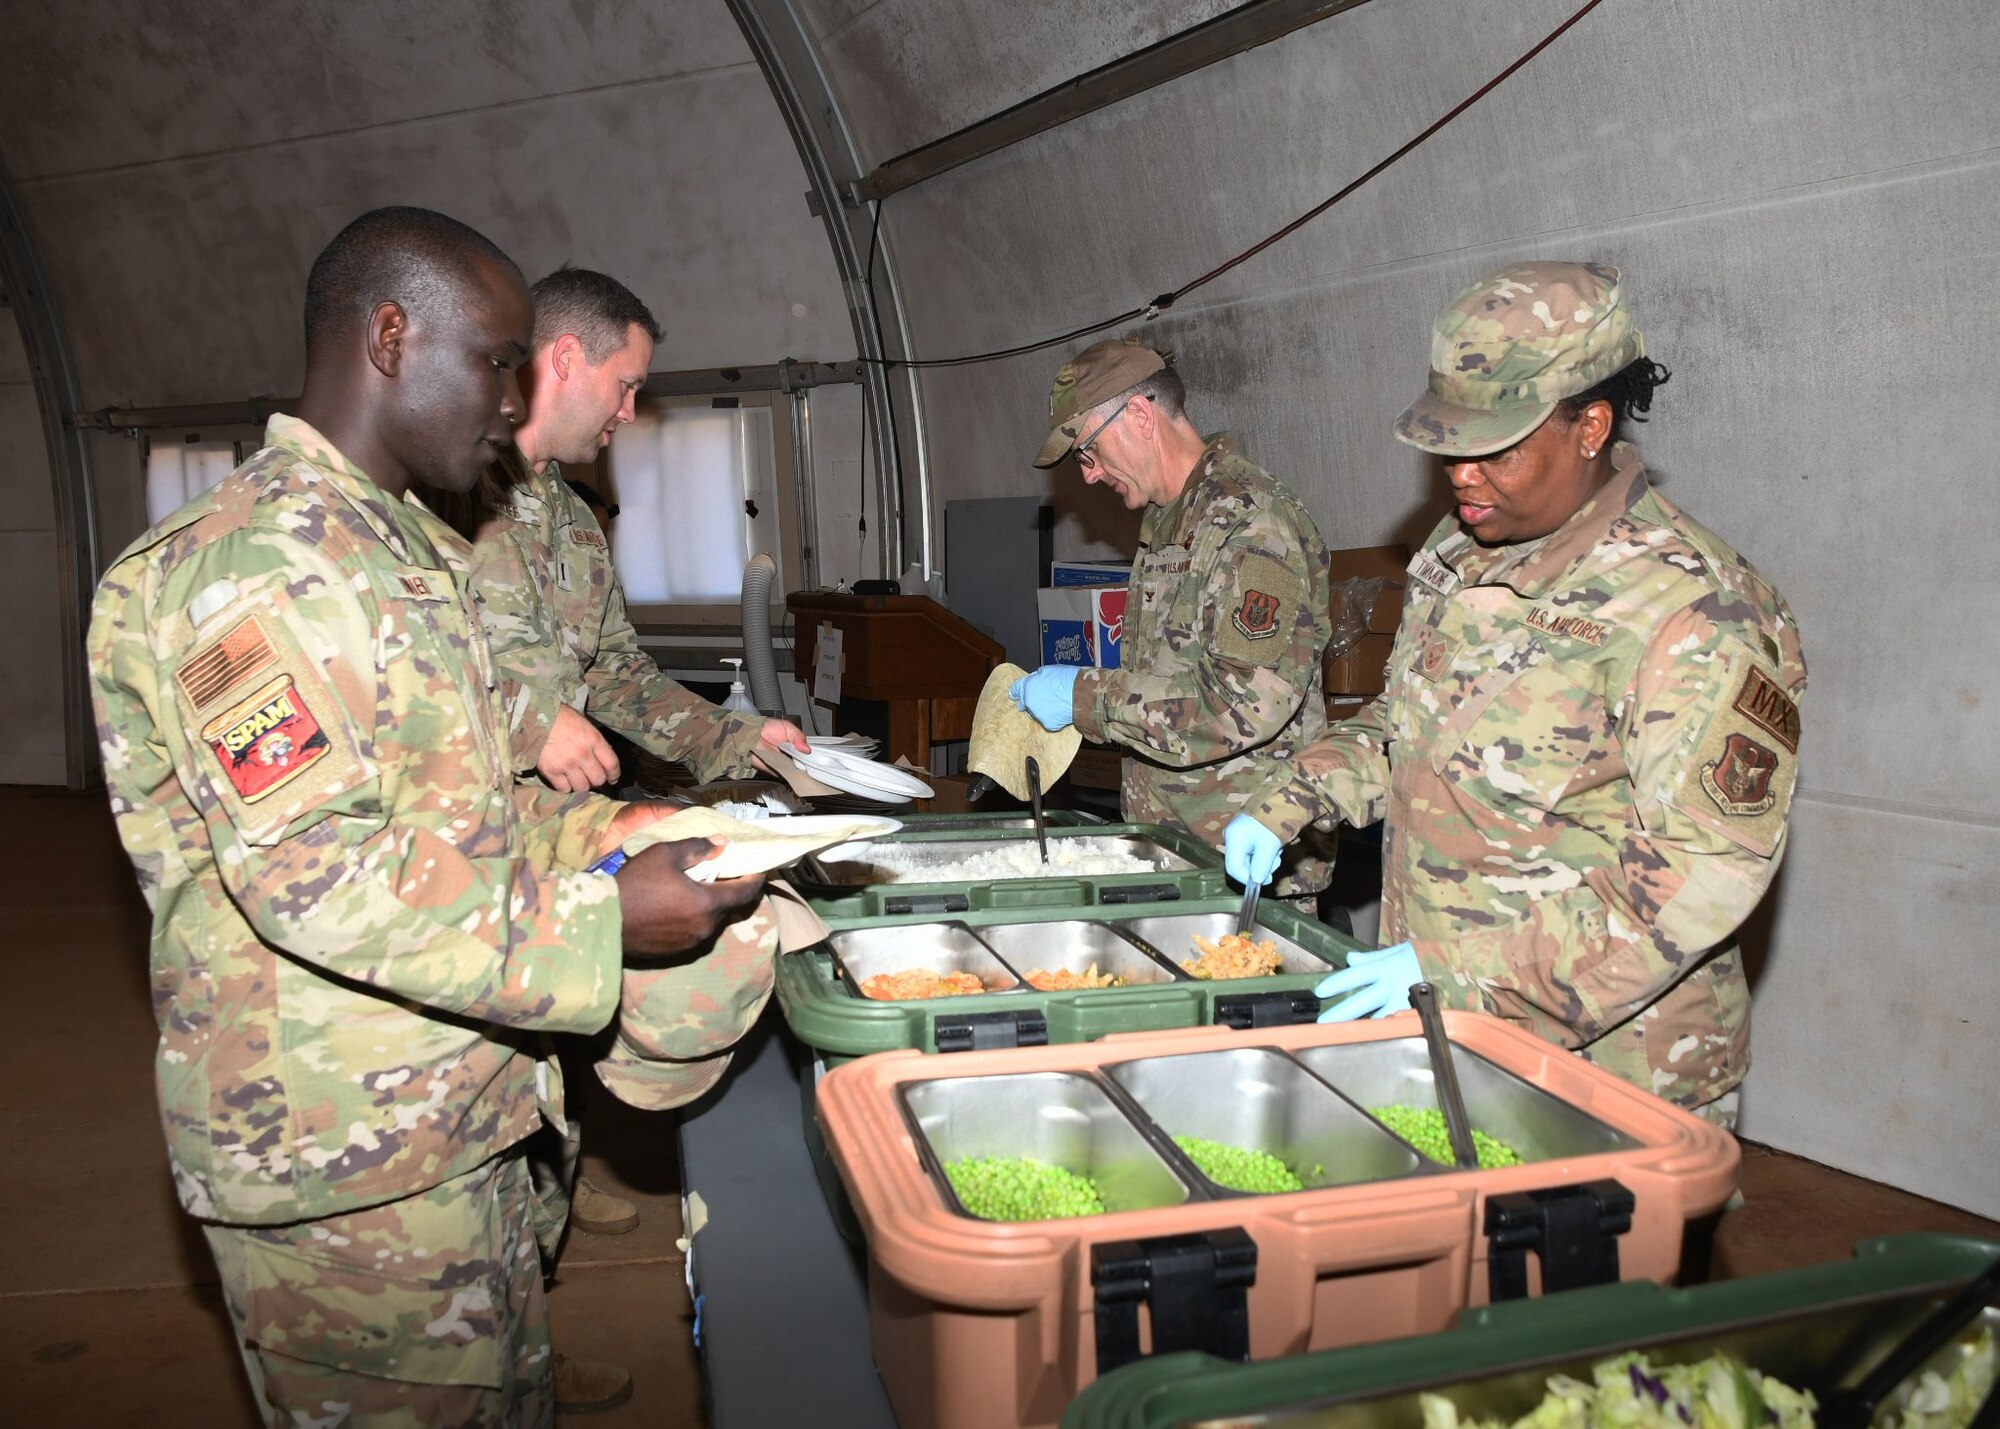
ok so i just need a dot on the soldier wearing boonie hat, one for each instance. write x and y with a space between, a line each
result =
1585 755
1218 681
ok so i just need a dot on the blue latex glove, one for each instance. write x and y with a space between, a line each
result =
1380 982
1250 851
1048 695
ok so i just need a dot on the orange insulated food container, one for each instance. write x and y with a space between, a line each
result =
983 1322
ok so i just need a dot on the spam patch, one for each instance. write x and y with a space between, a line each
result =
267 740
1769 708
236 657
1573 627
1257 616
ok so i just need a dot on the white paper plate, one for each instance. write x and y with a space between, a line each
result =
885 778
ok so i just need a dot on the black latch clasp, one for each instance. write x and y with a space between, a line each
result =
1139 893
1267 1009
1194 1287
978 1031
1573 1229
925 903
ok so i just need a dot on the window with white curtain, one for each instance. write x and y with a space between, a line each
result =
701 487
179 471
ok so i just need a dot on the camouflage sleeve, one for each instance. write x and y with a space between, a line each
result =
629 693
564 832
1251 652
1342 777
345 866
1710 734
533 675
146 799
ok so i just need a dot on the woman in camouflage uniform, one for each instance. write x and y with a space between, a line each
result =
1586 750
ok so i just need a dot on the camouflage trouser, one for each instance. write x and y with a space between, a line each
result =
422 1313
677 1020
1722 1111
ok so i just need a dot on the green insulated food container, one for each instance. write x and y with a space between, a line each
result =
1812 1328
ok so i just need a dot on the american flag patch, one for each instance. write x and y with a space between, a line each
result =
238 655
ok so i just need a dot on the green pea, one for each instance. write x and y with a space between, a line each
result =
1425 1130
1019 1188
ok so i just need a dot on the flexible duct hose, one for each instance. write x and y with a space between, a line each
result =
758 661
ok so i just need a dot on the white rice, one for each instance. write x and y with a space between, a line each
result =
916 863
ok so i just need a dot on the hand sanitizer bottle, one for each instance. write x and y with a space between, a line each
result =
739 698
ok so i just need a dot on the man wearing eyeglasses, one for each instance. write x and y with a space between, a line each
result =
1218 685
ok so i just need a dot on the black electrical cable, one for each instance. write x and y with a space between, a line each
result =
1166 300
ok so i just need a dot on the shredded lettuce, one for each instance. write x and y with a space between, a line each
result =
1627 1392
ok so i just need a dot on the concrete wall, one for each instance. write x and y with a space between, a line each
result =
1802 195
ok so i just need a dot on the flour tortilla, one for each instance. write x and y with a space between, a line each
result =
1004 738
756 845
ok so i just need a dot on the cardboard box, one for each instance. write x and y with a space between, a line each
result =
1354 665
1360 671
1082 625
1067 636
1107 624
1075 573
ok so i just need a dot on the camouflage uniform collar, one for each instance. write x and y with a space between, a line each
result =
1535 568
359 490
1173 516
406 536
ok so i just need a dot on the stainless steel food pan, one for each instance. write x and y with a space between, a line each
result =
1072 945
1262 1100
1057 1118
1398 1073
1172 937
861 953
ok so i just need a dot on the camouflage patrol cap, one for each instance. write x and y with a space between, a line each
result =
1097 374
1514 344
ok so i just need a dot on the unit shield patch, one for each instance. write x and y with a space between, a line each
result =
267 740
1257 616
1739 779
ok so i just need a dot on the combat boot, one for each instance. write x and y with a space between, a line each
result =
584 1386
599 1212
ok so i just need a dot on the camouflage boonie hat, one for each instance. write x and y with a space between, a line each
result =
1514 344
1097 374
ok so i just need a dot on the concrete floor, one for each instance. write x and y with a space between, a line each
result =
108 1310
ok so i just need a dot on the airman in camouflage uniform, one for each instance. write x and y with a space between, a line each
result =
361 922
1218 686
554 612
1586 751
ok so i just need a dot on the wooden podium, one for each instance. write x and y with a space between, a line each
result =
927 665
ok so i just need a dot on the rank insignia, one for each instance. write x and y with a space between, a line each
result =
1739 780
267 740
1257 617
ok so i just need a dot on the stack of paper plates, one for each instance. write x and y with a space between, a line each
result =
864 777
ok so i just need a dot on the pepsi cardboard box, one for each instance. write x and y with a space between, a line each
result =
1076 573
1068 636
1082 625
1107 624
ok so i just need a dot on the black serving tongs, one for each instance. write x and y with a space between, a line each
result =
1035 806
1444 1075
1855 1408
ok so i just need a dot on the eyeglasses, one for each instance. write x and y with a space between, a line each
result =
1084 459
